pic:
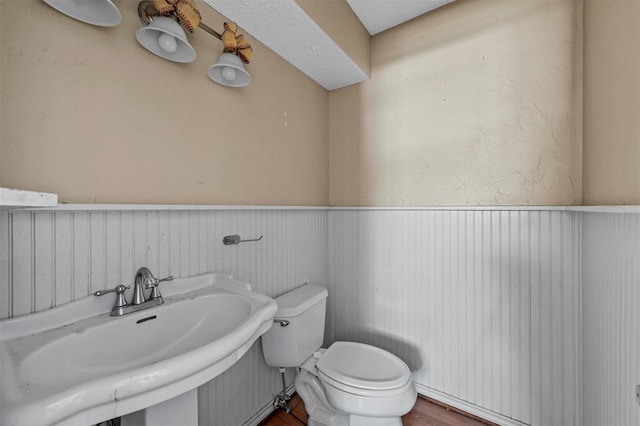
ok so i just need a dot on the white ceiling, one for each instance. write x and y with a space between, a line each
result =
380 15
312 51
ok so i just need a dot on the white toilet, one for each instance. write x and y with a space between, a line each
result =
347 384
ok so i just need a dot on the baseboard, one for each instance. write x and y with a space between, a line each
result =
265 411
444 398
467 407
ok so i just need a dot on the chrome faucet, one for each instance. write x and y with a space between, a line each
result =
144 279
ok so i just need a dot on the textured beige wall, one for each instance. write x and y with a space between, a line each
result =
612 102
477 103
87 113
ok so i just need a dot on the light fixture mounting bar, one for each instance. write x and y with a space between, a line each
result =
146 12
210 30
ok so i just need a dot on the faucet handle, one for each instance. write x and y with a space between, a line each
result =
119 291
155 291
156 281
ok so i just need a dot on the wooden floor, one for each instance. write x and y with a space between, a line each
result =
426 413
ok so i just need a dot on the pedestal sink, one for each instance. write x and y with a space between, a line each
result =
76 365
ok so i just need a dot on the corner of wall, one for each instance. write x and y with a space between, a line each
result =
611 128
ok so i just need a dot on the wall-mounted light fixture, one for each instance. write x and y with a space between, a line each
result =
95 12
164 35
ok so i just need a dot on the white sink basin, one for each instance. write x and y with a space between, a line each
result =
75 364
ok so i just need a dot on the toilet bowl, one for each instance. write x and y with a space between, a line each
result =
347 384
356 384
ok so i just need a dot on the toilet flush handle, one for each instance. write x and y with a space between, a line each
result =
283 323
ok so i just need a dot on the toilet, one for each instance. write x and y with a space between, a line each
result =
346 384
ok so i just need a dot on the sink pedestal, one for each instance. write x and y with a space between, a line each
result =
181 410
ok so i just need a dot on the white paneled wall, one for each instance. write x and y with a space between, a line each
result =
51 257
611 318
482 305
486 307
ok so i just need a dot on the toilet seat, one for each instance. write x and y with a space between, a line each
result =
364 370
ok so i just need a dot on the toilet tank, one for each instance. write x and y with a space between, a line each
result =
303 310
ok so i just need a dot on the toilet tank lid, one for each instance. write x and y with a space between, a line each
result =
298 300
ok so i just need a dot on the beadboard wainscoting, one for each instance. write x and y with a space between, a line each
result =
52 257
487 306
611 318
482 305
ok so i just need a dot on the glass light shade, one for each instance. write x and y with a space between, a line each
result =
166 38
229 71
102 13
